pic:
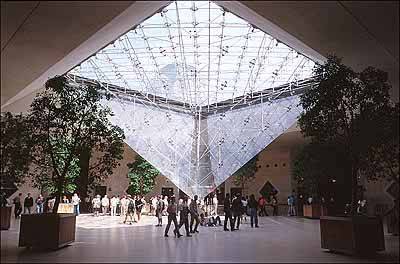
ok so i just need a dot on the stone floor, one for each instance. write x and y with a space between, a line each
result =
107 239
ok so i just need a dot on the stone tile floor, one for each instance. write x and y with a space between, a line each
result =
107 239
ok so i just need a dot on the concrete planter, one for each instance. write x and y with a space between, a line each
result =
352 235
314 210
5 217
50 231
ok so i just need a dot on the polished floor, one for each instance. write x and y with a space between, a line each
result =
107 239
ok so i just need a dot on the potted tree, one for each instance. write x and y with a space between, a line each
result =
15 159
63 119
318 170
350 109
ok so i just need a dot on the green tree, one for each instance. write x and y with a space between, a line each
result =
65 120
246 174
15 150
317 165
142 176
344 109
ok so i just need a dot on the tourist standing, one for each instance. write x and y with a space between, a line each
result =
215 203
76 201
88 204
184 216
274 205
290 202
28 204
262 204
154 204
131 210
236 209
65 199
118 211
244 209
39 204
172 211
17 207
124 205
113 203
228 213
139 205
194 215
159 210
96 203
165 201
105 204
253 211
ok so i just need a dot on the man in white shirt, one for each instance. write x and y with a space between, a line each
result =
105 203
75 201
96 202
215 204
124 205
114 203
165 205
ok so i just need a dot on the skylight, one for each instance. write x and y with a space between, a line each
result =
197 53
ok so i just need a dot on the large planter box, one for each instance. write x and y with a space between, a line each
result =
50 231
359 235
314 210
5 217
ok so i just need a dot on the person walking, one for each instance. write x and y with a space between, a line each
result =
118 210
215 203
194 215
228 213
290 201
39 204
76 201
274 205
253 211
236 210
17 207
28 204
105 204
96 204
159 210
172 211
131 210
244 209
262 204
113 203
165 201
139 206
184 216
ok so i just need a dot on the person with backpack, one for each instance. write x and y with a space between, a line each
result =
159 210
172 211
131 210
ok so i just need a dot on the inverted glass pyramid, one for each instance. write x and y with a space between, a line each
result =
199 91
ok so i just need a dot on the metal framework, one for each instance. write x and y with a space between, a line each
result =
199 91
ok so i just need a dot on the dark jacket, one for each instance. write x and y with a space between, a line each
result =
236 205
227 205
28 202
252 204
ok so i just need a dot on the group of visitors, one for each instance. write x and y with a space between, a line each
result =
127 206
40 204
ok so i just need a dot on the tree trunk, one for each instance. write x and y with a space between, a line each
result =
82 181
354 189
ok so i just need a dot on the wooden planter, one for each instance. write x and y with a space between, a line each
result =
5 217
50 231
360 235
314 210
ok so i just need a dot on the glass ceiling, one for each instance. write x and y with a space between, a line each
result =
199 91
196 53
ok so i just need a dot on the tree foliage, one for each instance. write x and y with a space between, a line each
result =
317 165
15 149
246 174
142 176
346 108
67 119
